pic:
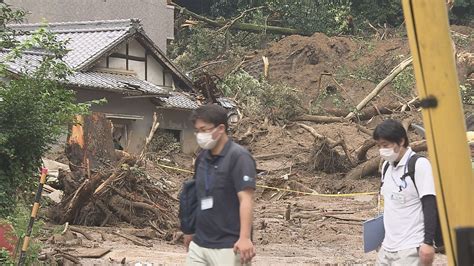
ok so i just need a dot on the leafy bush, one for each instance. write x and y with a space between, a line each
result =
19 219
404 82
199 44
34 110
330 17
259 98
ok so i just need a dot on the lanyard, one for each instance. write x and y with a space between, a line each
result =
207 177
404 184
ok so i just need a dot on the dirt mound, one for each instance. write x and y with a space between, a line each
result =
349 68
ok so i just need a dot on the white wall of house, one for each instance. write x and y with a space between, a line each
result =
151 70
138 130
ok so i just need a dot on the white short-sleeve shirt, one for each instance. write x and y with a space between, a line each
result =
403 213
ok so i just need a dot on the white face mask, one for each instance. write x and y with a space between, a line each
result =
206 141
389 154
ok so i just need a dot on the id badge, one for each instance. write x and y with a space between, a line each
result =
398 197
207 203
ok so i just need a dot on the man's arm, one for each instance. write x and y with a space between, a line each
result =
244 245
426 190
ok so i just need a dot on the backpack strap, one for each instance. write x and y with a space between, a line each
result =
197 161
411 168
384 170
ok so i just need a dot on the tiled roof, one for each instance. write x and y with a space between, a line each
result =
115 82
98 80
179 100
87 41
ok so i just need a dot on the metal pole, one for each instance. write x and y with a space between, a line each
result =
34 213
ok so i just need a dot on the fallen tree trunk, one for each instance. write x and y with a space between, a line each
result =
315 134
397 70
361 152
256 28
372 166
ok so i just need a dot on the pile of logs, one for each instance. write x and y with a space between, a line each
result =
106 186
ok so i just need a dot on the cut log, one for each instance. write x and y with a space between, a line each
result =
361 152
397 70
364 130
367 168
372 166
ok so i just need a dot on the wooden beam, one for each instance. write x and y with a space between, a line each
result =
128 57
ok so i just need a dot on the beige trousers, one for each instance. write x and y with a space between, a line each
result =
406 257
211 257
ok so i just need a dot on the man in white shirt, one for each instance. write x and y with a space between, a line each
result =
410 213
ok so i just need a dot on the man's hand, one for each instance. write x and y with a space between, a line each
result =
187 240
426 253
246 249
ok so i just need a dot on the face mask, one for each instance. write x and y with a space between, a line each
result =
389 154
205 140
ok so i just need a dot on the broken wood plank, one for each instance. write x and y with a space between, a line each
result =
82 232
135 240
91 252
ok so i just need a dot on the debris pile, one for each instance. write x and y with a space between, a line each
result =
106 186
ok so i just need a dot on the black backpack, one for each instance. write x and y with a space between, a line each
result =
188 203
438 239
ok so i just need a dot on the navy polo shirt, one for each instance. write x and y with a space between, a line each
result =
226 174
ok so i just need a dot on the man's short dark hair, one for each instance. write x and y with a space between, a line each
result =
210 113
391 130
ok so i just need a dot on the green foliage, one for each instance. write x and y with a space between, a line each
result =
8 15
5 258
199 44
330 17
259 98
19 219
334 98
377 12
404 82
34 110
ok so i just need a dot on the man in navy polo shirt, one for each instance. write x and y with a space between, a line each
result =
225 183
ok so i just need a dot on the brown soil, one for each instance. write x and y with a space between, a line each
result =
319 229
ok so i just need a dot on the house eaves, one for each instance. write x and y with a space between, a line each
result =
144 40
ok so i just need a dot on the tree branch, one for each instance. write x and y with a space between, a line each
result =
397 70
240 26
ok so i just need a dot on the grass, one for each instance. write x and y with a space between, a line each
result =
404 82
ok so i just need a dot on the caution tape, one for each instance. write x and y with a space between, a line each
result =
285 189
177 169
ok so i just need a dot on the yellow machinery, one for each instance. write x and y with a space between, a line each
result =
438 88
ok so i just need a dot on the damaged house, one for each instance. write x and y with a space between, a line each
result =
115 60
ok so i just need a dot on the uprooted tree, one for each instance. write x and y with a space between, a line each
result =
106 186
